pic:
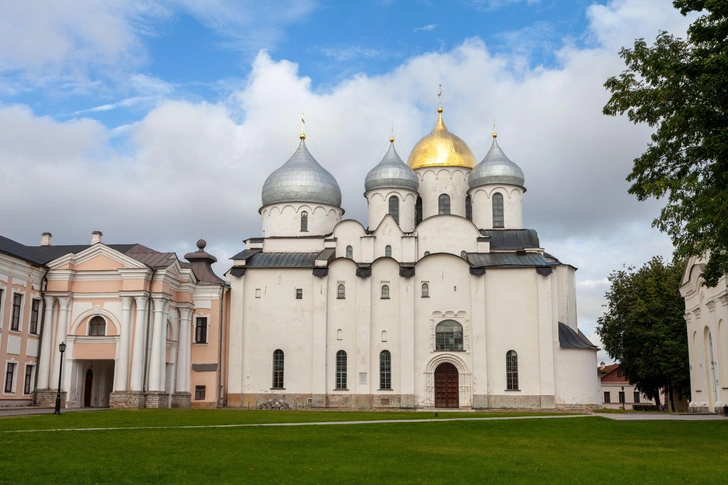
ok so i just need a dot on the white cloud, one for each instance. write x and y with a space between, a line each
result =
196 169
351 52
425 28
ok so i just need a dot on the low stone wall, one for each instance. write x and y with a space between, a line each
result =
157 400
181 400
46 398
126 400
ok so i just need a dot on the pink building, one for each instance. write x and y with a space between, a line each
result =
141 327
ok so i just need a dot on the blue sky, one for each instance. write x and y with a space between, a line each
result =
158 121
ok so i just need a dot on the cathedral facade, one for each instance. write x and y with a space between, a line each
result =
443 299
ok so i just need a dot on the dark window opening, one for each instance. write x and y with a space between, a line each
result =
97 327
201 330
394 207
468 208
443 204
418 211
199 393
278 369
385 370
512 370
449 335
340 369
498 221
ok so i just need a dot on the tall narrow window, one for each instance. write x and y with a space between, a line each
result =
28 382
34 311
621 397
512 370
388 251
349 252
425 290
278 369
607 397
449 335
385 370
385 292
443 204
97 327
418 211
468 208
636 397
201 330
394 207
304 221
498 210
10 376
341 292
340 369
17 305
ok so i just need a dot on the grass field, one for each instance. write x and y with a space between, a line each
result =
564 450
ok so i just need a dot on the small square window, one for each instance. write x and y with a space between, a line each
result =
199 393
257 292
299 293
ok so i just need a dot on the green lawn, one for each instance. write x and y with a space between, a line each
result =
571 450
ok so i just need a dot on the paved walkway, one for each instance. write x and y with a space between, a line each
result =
662 417
28 410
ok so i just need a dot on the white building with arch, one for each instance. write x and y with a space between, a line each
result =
706 315
443 300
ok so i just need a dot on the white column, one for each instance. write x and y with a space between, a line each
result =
137 365
46 350
183 354
61 331
121 368
156 360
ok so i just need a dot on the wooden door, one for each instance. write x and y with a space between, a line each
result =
447 388
87 388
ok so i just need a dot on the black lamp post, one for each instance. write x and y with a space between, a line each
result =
62 348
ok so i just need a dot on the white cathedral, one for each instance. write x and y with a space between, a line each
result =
443 300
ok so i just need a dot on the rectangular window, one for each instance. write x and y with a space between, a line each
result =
199 393
621 397
341 370
10 376
2 299
607 397
278 367
201 330
17 304
637 397
299 293
34 311
28 379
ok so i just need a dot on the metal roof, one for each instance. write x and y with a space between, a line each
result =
496 168
391 173
507 260
511 239
246 253
283 260
573 339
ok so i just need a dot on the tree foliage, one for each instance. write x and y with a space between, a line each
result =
644 328
680 87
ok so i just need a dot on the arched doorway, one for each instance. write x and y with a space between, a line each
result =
447 388
88 388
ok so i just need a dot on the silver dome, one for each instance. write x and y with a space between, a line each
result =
301 179
496 168
391 173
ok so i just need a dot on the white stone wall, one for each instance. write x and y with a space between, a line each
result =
452 181
378 207
284 219
482 201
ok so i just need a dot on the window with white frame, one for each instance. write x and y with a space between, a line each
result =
97 327
341 370
498 221
388 251
15 314
34 314
278 369
385 292
443 204
10 377
28 381
425 290
448 335
201 330
385 370
512 370
341 292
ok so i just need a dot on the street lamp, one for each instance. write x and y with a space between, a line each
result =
62 348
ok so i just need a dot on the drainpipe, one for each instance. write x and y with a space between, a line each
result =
146 343
219 347
43 286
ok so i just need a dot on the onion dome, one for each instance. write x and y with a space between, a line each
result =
301 179
441 149
496 168
391 173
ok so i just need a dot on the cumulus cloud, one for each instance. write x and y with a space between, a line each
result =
188 170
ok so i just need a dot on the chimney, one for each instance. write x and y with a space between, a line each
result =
602 365
96 237
45 239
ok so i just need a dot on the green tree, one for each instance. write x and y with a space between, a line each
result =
644 328
680 87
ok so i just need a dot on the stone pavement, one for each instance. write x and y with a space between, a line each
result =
28 410
661 417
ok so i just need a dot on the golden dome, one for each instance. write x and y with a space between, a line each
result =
441 149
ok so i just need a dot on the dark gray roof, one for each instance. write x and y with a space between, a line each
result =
328 255
573 339
511 239
283 260
507 260
20 251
